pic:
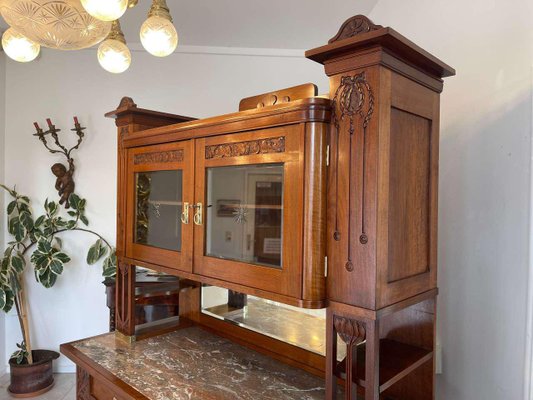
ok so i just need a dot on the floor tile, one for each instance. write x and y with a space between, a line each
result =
64 388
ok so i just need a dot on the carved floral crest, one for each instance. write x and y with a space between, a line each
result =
355 26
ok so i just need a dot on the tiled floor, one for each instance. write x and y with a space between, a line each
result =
64 388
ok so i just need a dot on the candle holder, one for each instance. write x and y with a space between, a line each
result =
65 184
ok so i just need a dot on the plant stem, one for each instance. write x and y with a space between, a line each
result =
29 246
84 230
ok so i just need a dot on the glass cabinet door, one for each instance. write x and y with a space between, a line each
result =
244 219
250 189
159 207
160 189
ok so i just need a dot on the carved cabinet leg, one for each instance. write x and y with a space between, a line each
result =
352 332
83 385
331 357
372 361
125 299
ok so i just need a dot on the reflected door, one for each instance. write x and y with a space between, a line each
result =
251 188
160 188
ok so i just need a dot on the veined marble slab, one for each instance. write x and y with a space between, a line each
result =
194 364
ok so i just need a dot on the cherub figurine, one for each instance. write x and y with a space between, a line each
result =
64 182
65 178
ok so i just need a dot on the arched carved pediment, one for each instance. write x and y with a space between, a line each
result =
355 26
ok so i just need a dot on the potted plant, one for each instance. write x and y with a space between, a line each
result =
38 242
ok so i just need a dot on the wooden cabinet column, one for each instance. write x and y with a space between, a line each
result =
130 119
382 208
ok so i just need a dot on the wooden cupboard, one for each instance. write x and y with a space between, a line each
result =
339 194
175 200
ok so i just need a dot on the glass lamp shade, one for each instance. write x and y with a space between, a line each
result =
58 24
19 47
159 36
105 10
114 56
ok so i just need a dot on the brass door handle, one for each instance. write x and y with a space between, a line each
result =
185 213
198 214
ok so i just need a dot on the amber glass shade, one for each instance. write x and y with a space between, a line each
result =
58 24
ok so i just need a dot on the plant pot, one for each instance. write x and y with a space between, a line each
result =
29 380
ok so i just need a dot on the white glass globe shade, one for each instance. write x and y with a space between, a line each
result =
114 56
159 36
105 10
19 47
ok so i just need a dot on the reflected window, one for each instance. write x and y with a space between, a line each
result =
245 213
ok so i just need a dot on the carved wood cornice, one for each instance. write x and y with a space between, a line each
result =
260 146
354 26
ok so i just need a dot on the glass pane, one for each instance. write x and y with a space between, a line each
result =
245 213
159 207
300 327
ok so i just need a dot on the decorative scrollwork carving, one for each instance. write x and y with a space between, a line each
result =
355 26
124 131
260 146
124 306
351 331
353 99
159 157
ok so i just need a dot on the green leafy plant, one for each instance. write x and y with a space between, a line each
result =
41 237
21 355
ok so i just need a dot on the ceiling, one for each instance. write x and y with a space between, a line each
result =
282 24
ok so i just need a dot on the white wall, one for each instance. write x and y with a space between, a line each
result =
2 212
484 186
484 202
60 85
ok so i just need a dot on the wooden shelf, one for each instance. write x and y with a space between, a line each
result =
396 360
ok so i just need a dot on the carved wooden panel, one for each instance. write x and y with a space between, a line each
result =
409 192
355 26
83 385
353 108
260 146
158 157
125 299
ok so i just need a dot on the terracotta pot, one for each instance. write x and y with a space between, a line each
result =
35 379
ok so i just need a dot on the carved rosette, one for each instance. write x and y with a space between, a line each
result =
353 102
355 26
160 157
252 147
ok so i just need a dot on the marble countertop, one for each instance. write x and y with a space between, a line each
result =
194 364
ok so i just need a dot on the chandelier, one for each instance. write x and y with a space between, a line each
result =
80 24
